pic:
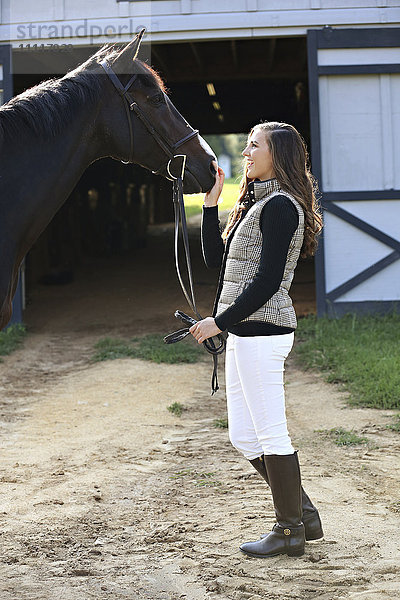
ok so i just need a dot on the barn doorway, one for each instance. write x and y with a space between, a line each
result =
118 218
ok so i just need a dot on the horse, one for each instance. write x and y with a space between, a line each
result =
51 133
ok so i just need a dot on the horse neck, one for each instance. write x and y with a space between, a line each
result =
48 170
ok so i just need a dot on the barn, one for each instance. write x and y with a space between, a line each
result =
330 67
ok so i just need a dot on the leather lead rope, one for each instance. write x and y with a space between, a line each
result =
177 162
180 218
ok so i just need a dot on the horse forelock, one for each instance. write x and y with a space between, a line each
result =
50 106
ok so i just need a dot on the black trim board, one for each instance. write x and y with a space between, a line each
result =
7 86
367 307
329 197
375 37
5 60
313 87
312 56
358 69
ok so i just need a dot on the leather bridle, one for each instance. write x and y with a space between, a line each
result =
176 163
131 105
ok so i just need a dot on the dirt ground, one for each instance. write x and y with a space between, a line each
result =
107 495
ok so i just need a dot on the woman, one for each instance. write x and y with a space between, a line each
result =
275 220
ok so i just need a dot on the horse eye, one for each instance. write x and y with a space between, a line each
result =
157 99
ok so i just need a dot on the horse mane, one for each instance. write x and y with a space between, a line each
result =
49 107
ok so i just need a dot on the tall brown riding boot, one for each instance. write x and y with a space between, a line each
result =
287 535
310 517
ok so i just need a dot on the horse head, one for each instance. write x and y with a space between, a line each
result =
149 128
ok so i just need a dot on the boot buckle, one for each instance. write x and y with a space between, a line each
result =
287 531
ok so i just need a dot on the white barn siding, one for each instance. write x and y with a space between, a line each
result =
359 119
382 287
184 20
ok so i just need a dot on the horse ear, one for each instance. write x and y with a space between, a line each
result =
137 41
131 50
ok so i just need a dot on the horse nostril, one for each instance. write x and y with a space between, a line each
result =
212 167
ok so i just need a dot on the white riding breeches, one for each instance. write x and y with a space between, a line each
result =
255 394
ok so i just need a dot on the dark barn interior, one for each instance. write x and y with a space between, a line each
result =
220 87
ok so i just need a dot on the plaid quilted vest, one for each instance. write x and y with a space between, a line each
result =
244 257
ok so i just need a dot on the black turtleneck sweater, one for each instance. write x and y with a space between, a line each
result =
278 222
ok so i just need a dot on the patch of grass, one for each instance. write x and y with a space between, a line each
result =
194 202
182 473
221 423
206 480
152 347
342 437
359 352
149 347
11 338
110 349
199 479
395 426
176 408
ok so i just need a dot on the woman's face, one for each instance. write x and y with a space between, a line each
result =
258 157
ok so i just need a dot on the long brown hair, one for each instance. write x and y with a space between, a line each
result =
291 166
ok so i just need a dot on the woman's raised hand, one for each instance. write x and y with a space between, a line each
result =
211 197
